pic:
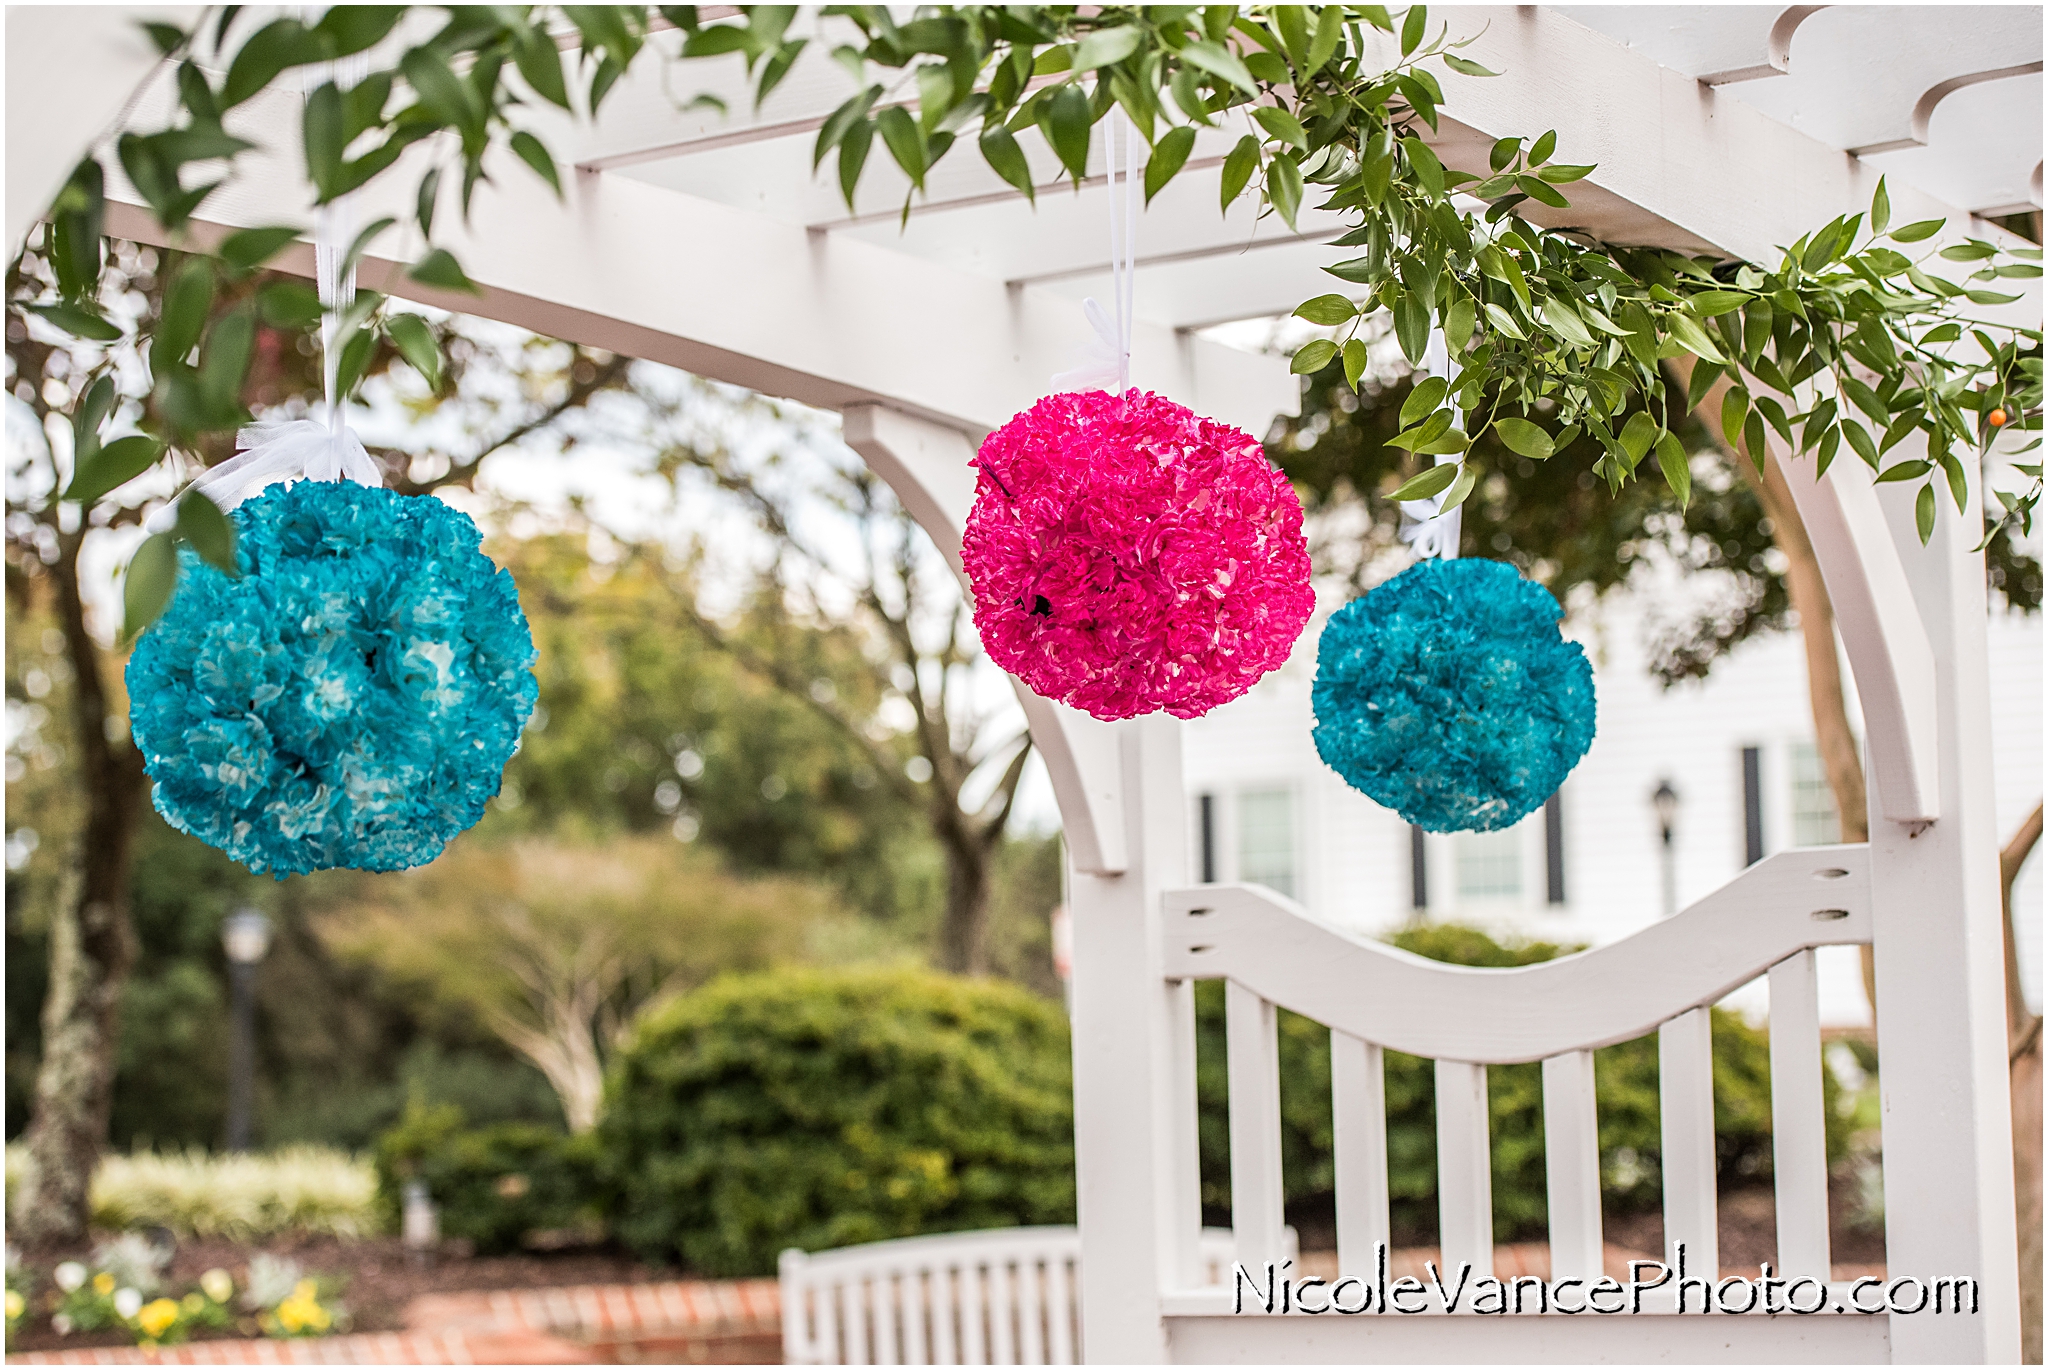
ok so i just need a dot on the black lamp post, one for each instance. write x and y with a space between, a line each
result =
1665 802
246 938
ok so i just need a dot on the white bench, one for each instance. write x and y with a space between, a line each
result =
1002 1297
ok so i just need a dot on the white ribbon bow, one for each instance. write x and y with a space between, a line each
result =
302 447
1432 532
1106 364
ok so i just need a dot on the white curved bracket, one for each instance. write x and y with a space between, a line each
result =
1777 50
925 463
1922 117
1886 642
1816 896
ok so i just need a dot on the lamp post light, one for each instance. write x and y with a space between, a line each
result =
246 938
1665 802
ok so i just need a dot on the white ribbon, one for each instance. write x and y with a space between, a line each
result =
1107 360
302 447
1426 527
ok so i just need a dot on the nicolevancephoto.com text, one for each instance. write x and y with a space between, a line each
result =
1652 1287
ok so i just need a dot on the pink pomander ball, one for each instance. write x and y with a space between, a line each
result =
1128 555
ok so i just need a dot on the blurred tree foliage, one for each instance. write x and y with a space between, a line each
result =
1558 522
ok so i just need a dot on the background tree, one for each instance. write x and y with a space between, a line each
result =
555 947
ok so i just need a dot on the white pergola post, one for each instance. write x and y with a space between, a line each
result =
1936 914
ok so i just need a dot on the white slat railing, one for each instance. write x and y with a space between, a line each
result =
1571 1158
1374 998
1799 1119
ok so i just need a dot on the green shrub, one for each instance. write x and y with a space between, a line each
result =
821 1109
495 1184
240 1196
1625 1083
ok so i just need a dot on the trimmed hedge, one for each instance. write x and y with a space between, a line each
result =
1625 1079
823 1108
494 1184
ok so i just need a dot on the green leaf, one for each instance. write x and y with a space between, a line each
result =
445 97
1540 153
1880 208
1638 435
1905 470
1540 191
1464 66
1524 438
1505 322
1468 477
540 64
355 356
1220 61
534 154
1704 374
999 149
1428 169
321 124
252 247
1561 320
1923 513
1313 357
1423 400
1106 47
187 304
1329 32
1411 325
201 523
1971 251
1915 232
1734 411
853 155
1564 173
146 589
110 467
440 270
1754 441
1693 338
1238 168
1327 310
1671 459
429 192
1283 186
1433 481
1459 322
415 342
1711 303
1068 122
1169 155
76 320
1282 125
1355 360
279 44
288 304
1413 26
354 28
1860 439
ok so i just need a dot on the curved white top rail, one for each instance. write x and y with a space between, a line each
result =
1816 896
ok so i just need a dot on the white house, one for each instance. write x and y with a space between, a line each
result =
1588 868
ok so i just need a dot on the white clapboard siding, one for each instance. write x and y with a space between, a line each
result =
1571 1150
1685 1076
1799 1119
1358 1102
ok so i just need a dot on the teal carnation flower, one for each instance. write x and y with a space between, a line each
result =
1448 695
350 699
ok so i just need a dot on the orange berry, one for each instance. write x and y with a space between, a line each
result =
1997 417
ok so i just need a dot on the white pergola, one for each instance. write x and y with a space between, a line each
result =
705 242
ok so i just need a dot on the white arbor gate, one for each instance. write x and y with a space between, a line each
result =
704 242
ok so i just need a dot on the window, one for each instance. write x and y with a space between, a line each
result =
1489 865
1814 820
1265 839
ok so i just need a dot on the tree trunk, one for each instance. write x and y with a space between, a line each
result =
1834 738
2024 1037
963 936
91 948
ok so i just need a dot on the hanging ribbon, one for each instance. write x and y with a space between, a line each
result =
302 447
1108 359
1429 529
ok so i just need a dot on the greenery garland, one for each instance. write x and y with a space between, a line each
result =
1556 336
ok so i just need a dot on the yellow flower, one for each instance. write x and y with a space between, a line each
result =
218 1284
157 1318
16 1305
103 1283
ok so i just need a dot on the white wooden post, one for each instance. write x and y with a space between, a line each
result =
1358 1092
1799 1119
1936 928
1133 1110
1685 1093
1464 1168
1571 1161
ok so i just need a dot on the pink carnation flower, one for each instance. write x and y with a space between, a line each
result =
1128 555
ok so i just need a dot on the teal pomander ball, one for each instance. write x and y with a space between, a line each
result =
1449 696
350 699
